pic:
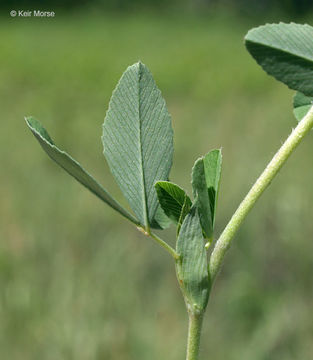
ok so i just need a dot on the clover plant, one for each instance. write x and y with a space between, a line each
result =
138 146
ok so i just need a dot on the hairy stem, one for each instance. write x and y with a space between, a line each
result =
223 243
194 332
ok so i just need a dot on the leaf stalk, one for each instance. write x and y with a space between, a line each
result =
161 242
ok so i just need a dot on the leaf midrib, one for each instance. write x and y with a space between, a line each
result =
144 193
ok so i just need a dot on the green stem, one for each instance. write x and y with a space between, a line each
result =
194 332
257 189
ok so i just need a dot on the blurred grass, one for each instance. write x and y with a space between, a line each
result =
75 281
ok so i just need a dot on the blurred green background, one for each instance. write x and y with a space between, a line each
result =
76 280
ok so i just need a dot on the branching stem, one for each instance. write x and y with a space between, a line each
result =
223 243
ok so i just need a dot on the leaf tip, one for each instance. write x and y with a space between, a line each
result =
137 66
29 120
37 129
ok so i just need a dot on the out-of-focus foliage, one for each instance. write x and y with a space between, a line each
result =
292 7
76 280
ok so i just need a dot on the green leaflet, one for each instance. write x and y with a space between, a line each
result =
284 51
138 140
73 167
172 198
301 105
184 211
160 221
192 267
206 175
